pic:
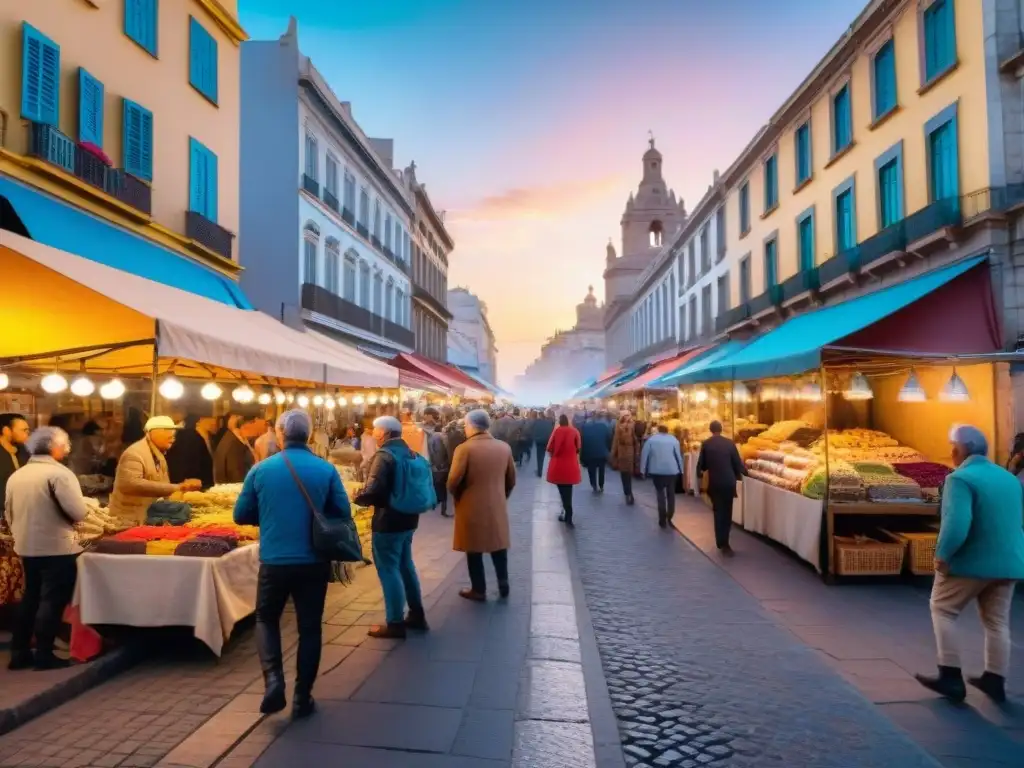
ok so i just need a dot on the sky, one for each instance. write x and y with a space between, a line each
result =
527 120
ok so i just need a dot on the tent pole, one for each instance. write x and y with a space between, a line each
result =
156 370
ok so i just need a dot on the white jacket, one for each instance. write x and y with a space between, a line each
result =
44 499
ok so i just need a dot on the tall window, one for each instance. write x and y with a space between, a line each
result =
883 72
378 294
312 158
944 162
805 241
349 278
771 263
400 307
350 192
332 176
332 259
745 280
387 231
723 293
890 203
364 284
745 208
720 233
939 38
310 241
364 207
389 301
705 250
691 262
771 183
846 222
842 120
803 153
376 219
705 309
692 319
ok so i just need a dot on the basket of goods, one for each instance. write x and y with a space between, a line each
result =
920 548
864 556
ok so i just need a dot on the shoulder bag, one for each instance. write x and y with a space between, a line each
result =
334 539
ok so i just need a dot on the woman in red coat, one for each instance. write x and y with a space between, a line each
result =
564 467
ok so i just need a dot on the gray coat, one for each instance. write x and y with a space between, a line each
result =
43 501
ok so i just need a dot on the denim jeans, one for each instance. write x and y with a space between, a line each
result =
665 489
392 554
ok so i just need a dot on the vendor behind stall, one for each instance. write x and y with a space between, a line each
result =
142 476
192 452
13 455
234 456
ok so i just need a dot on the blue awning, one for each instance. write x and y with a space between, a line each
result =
709 358
61 226
796 345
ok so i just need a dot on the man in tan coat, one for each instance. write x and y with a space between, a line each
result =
482 476
142 475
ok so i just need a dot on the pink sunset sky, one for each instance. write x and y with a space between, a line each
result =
527 121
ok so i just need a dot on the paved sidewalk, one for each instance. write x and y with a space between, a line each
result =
699 673
876 635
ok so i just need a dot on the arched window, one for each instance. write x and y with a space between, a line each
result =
656 234
349 277
310 241
364 284
332 257
378 294
389 300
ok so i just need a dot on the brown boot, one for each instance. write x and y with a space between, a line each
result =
470 594
389 631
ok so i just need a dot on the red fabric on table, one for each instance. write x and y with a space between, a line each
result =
155 533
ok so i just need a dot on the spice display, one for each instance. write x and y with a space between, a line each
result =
926 474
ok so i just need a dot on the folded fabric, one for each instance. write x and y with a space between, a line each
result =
169 512
231 540
114 546
154 533
199 547
162 547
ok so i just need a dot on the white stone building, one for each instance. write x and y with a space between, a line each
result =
471 343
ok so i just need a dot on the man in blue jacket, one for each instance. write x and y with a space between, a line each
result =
272 498
596 438
661 460
979 557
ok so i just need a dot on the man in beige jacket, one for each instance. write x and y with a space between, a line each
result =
142 475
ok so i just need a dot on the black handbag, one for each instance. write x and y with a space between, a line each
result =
334 539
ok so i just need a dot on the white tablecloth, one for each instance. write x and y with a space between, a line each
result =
691 483
209 594
785 517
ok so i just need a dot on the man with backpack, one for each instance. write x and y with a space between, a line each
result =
437 454
400 487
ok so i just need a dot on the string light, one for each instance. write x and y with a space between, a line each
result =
358 399
211 391
342 401
372 400
264 398
5 381
243 394
171 388
112 390
303 401
329 403
82 386
318 400
279 396
289 398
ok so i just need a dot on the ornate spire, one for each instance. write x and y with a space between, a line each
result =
609 253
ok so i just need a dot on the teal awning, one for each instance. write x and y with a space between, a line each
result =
709 358
796 345
58 225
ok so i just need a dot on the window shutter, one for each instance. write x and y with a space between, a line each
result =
90 109
40 77
196 177
202 60
140 23
211 186
138 140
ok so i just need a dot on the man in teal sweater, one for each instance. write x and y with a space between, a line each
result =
979 556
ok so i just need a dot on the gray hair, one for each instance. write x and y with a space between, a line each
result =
42 441
970 439
389 424
296 426
478 419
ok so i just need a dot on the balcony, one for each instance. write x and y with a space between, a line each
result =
770 299
883 247
318 299
311 185
732 317
800 286
840 268
332 201
52 146
362 230
348 217
377 243
208 233
933 225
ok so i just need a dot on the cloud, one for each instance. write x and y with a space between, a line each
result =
539 202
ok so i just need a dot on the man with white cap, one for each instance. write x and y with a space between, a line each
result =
142 476
979 557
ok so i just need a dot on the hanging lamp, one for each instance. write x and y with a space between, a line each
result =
211 391
82 386
912 391
955 391
278 396
264 398
171 388
859 388
243 394
302 401
5 380
112 390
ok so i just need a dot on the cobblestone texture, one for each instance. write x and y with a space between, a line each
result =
699 674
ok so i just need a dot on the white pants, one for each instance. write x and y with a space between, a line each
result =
950 595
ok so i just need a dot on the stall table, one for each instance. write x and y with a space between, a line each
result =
789 518
208 594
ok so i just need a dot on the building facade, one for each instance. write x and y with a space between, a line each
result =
119 127
567 359
327 220
652 218
432 246
470 339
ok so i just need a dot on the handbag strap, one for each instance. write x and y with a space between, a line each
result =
298 482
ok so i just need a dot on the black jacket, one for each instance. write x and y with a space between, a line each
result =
7 468
232 459
542 429
190 458
720 459
380 480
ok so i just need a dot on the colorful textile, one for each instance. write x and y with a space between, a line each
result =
113 546
154 533
231 540
203 547
12 579
161 547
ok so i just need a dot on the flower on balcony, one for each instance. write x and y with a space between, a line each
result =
96 152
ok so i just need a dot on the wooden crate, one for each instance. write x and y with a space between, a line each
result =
920 548
867 557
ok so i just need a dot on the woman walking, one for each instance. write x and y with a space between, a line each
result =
625 454
564 467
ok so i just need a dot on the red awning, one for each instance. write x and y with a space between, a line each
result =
445 375
657 371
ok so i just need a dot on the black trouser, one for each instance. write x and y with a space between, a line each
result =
525 448
596 474
475 563
49 587
721 506
665 488
307 587
441 488
627 482
542 449
565 491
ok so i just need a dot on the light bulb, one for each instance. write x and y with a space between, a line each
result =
303 401
112 390
289 398
329 403
372 400
243 394
279 396
211 391
54 383
82 386
342 402
264 398
358 399
318 400
4 381
171 388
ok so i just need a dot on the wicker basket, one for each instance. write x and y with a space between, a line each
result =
920 550
867 557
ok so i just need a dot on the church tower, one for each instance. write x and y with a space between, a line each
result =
650 221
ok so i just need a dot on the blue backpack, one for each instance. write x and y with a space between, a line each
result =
413 489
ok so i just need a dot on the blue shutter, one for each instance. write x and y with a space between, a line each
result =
40 77
140 23
944 162
202 60
807 243
744 209
885 79
845 228
841 116
889 193
803 153
138 140
939 38
202 180
90 109
770 267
